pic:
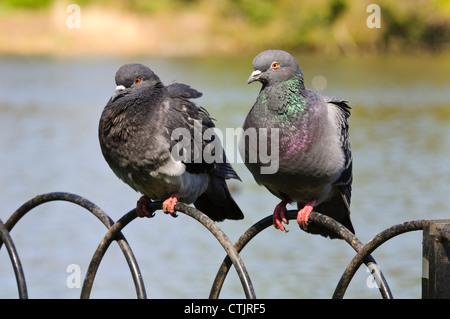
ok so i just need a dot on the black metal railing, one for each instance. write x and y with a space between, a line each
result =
363 251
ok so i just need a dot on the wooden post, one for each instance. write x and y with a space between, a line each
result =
436 259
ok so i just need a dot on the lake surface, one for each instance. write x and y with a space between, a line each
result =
49 112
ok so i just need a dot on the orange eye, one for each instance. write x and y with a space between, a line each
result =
275 65
137 80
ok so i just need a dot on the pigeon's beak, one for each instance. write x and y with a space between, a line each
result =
119 90
254 76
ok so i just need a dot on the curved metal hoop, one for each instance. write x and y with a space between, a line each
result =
321 219
368 248
115 234
96 211
226 244
232 258
183 208
14 256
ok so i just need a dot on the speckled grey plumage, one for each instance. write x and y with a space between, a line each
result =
135 138
315 160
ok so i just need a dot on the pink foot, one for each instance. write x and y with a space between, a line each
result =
303 214
141 207
279 215
169 205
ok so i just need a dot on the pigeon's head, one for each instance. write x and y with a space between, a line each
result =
131 78
274 66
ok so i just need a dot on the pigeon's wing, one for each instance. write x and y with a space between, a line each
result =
345 180
182 91
193 137
338 206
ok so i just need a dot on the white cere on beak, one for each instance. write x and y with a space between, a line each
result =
119 88
256 73
254 76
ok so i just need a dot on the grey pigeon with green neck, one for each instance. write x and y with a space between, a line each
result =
136 138
314 156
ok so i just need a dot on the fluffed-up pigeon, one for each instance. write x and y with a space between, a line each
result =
163 145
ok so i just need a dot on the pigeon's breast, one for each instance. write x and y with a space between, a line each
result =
308 165
159 183
298 188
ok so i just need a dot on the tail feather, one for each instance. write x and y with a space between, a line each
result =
217 202
336 208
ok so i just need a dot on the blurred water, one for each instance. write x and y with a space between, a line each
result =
49 111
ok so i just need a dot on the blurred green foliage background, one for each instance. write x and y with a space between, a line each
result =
331 26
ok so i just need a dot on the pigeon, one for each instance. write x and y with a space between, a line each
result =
314 157
136 134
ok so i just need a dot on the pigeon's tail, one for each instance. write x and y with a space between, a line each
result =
218 203
336 208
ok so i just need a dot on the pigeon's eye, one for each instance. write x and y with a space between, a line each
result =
275 65
137 80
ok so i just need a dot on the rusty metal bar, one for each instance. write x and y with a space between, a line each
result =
356 244
230 249
183 208
239 245
13 255
111 235
96 211
436 259
368 248
436 248
318 218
